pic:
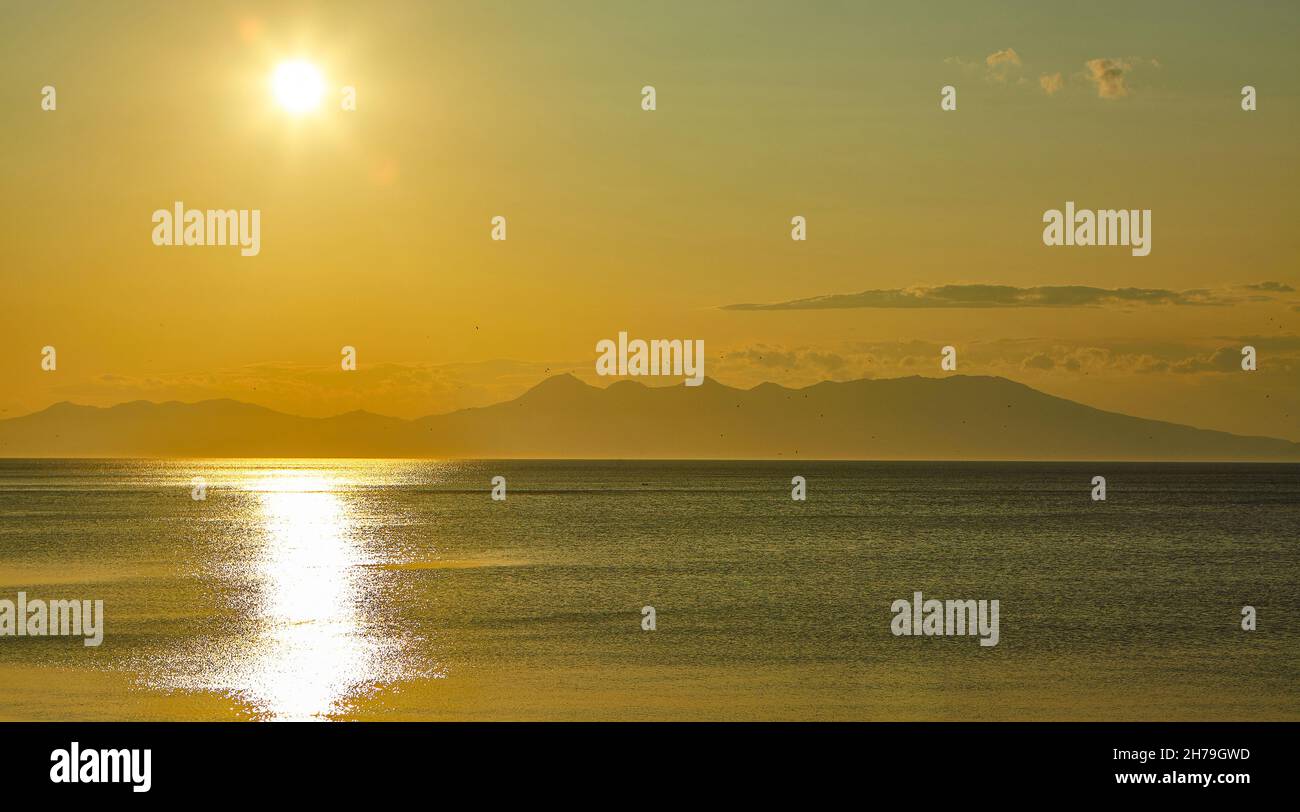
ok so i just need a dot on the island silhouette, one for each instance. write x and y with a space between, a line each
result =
951 418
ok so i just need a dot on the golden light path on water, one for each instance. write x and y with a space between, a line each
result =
303 643
312 651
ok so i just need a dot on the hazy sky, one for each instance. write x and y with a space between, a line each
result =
375 222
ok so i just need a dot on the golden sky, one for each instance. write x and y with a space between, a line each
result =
375 222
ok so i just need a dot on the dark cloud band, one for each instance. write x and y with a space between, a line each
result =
991 296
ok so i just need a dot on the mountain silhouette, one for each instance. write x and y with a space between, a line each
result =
956 417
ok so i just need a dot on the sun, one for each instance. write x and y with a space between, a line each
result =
297 86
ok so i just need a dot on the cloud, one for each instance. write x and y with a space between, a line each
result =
752 364
766 356
1007 56
1275 287
965 66
1040 361
1224 359
1275 343
1109 76
1001 63
1139 357
997 66
995 296
1026 359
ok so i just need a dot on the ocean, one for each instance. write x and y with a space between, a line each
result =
399 589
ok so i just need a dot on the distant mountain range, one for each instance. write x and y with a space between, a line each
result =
957 417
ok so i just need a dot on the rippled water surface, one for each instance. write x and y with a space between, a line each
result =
334 589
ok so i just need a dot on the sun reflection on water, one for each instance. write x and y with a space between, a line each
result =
312 651
303 643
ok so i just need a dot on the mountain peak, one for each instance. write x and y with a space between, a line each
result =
949 417
562 382
65 406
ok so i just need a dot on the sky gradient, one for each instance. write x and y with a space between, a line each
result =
375 223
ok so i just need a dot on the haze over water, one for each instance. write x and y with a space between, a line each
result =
303 589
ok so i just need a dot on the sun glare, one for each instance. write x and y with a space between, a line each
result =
298 86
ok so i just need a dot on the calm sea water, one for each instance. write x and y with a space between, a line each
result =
400 590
